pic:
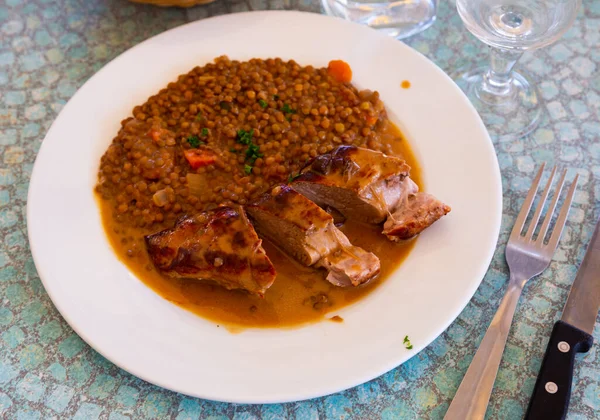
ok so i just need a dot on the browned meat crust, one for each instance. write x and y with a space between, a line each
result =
307 233
420 211
218 245
370 186
360 183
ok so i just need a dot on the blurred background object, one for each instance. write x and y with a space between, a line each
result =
399 19
174 3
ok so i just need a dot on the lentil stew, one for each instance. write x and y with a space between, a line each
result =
223 134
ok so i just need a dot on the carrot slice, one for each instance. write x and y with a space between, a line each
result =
197 158
371 120
340 71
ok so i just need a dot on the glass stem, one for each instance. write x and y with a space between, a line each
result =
498 80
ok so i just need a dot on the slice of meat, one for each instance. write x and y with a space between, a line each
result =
349 265
218 245
361 184
370 186
307 233
338 218
416 213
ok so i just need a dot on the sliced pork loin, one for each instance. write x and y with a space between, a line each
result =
414 212
418 212
361 184
307 233
370 186
350 265
218 245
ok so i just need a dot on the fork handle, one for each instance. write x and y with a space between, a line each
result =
473 395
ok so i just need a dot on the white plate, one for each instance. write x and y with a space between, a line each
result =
146 335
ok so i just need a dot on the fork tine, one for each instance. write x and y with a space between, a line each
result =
520 222
544 229
562 217
540 207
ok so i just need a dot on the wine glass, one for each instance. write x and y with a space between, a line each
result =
507 100
397 18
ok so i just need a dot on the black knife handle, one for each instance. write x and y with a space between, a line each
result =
550 399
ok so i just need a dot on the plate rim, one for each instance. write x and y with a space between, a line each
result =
142 375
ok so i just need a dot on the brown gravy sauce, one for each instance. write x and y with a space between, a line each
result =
299 295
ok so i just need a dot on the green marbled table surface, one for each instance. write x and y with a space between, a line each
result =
49 48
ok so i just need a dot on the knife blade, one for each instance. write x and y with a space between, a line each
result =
582 305
571 335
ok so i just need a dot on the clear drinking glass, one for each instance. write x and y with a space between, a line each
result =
507 100
396 18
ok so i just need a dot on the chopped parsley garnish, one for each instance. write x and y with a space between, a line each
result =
252 153
245 137
276 97
263 104
407 343
287 109
204 132
293 177
194 141
199 116
225 105
232 150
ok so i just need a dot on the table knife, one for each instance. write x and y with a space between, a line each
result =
571 335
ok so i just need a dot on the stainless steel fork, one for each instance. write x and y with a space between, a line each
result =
526 257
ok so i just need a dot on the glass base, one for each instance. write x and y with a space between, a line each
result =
506 117
398 19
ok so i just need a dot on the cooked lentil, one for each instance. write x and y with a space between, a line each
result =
293 112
